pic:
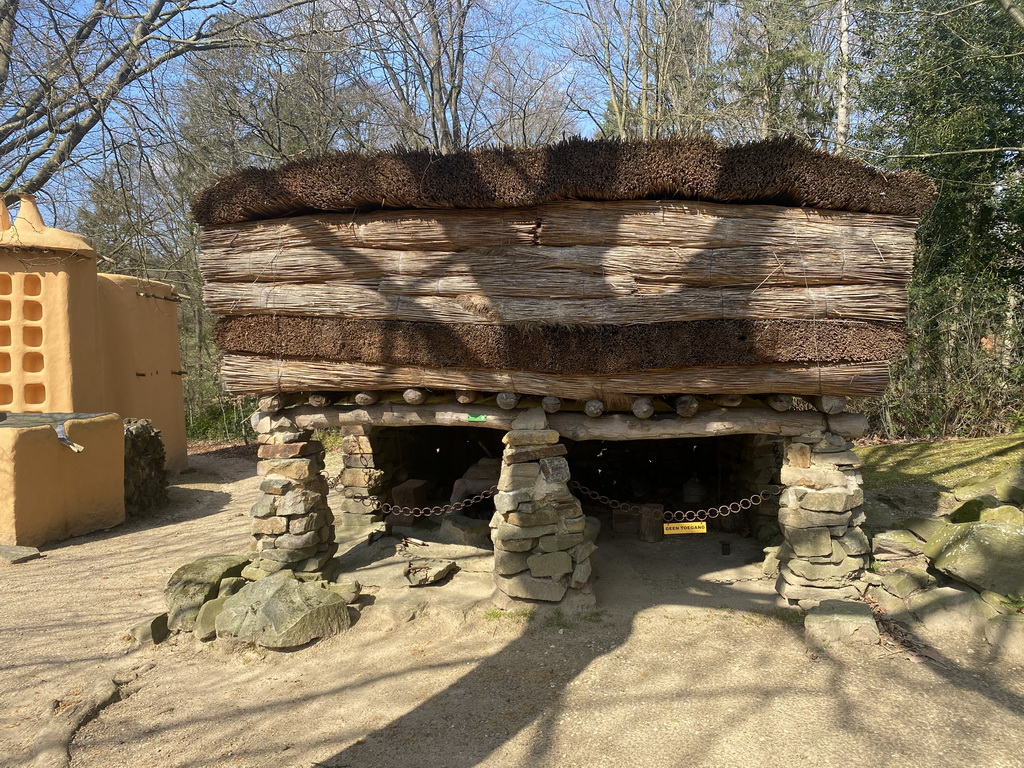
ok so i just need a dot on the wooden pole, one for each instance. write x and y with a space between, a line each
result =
319 400
507 400
779 403
687 405
643 407
551 404
367 398
593 408
728 401
652 525
828 403
466 396
414 396
576 426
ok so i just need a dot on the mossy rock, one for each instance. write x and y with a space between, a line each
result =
192 585
1009 487
970 511
1004 514
986 556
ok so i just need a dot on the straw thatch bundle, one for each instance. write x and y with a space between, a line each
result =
507 283
780 171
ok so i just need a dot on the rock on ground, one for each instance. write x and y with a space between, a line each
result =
280 612
192 585
840 621
987 556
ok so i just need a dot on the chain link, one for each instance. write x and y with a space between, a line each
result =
684 516
372 502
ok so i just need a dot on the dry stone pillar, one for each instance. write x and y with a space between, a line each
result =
292 526
542 540
820 515
367 453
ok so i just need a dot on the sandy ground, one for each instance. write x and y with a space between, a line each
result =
689 661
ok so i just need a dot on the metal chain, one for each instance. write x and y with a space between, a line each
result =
372 502
683 516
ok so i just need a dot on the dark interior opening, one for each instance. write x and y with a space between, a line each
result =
681 474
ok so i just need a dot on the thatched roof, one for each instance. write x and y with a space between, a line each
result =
563 349
778 171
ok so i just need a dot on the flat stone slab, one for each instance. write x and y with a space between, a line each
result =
281 612
420 572
840 622
12 555
951 611
1006 635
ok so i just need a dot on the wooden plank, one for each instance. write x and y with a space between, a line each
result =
339 299
252 374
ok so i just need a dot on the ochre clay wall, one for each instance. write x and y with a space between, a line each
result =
139 335
50 492
72 341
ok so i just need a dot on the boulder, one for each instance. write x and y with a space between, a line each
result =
1009 486
1004 514
855 542
925 527
192 585
550 564
984 555
466 531
840 621
280 612
152 631
206 622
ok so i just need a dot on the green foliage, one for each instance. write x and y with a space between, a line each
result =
941 81
221 418
1014 602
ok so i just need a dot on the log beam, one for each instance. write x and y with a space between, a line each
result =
577 426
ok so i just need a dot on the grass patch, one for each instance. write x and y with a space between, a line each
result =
519 616
941 465
594 617
557 618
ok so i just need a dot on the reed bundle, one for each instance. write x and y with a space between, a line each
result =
253 374
677 223
689 168
341 299
630 268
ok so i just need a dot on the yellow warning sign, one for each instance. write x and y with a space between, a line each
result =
701 527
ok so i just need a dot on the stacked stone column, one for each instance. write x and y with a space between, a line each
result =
367 453
542 540
820 515
292 526
759 465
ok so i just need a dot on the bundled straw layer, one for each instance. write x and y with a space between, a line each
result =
778 171
562 349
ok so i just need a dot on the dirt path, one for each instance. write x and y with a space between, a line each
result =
689 662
